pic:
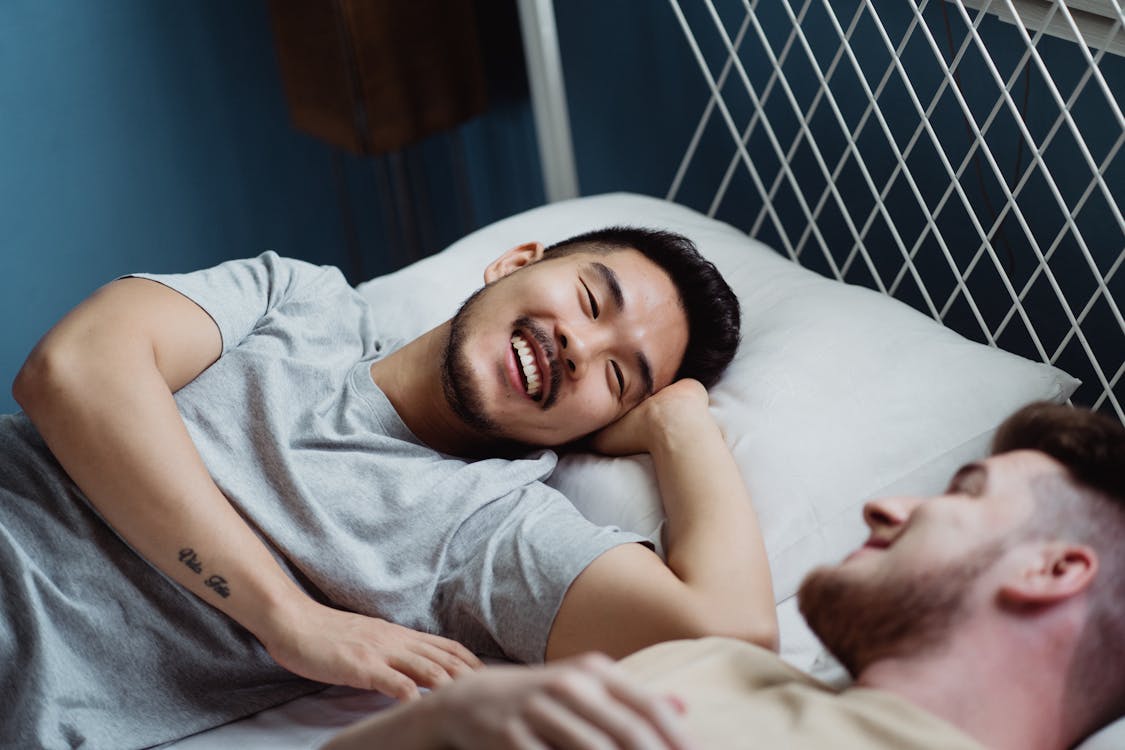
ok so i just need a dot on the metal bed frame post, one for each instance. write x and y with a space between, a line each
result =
548 99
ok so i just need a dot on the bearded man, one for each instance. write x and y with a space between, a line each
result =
228 488
991 616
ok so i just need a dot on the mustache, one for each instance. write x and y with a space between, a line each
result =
547 344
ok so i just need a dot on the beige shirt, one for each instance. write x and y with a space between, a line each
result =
741 696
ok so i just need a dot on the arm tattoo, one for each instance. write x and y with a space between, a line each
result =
217 583
189 558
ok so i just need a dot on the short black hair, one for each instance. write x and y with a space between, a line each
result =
711 307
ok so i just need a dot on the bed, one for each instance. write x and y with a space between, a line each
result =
905 286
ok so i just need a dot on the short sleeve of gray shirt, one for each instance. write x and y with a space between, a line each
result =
358 510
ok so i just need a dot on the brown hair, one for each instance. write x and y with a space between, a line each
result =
1090 445
1088 507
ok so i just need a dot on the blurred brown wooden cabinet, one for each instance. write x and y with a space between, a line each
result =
373 76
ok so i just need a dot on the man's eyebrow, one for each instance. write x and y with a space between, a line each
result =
609 276
976 473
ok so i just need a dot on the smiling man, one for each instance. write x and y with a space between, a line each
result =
337 501
547 355
989 616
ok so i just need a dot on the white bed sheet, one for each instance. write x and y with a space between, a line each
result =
301 724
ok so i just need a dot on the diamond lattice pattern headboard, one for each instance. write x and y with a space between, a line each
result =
959 158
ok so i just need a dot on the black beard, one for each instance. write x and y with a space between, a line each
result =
462 393
861 621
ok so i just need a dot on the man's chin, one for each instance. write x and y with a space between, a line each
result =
824 601
864 616
582 444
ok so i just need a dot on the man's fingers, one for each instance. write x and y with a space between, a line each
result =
586 697
654 713
424 671
454 648
453 664
563 728
390 682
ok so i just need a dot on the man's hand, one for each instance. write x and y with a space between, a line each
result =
714 578
653 419
583 703
342 648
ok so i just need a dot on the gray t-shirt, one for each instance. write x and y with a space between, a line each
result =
101 647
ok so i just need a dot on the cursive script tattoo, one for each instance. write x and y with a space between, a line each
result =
190 559
219 584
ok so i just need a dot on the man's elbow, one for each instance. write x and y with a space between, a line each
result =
765 635
40 376
759 632
759 629
28 385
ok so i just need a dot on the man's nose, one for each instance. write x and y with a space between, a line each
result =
576 347
889 512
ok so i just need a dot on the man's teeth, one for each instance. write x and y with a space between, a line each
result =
527 363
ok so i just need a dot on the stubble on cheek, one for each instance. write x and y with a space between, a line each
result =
462 393
863 617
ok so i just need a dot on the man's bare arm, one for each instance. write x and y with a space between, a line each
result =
584 703
716 581
98 387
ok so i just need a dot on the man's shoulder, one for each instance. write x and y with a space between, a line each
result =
741 696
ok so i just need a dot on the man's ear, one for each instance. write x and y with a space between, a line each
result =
1058 572
512 260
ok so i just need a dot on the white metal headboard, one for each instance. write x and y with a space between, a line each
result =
965 165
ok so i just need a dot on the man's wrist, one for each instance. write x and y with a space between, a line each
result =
278 614
675 431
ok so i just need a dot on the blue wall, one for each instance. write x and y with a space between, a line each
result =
139 135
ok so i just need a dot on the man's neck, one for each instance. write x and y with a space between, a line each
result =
410 378
1007 693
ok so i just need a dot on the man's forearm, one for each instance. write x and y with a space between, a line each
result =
99 389
712 538
125 445
586 702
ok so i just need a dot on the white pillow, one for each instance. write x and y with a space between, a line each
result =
837 394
